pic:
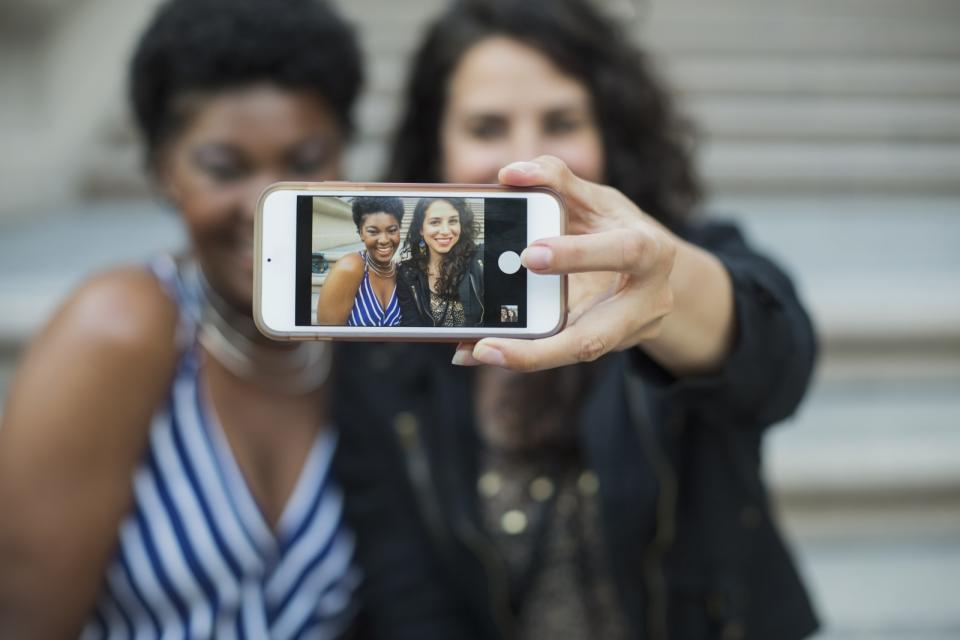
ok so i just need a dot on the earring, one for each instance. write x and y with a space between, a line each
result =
422 244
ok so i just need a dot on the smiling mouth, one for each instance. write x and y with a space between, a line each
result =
383 256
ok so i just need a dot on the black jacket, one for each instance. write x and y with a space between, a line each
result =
694 548
413 294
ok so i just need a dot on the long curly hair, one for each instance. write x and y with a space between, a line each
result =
456 262
647 145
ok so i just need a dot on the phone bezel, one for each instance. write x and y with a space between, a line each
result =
274 286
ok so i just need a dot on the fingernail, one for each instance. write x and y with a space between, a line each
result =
529 168
489 355
537 257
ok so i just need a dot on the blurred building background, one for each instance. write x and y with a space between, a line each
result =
831 130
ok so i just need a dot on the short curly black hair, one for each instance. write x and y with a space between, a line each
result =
365 205
201 46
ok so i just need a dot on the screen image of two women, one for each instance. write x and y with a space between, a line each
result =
437 282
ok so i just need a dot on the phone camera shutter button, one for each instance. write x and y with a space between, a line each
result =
509 262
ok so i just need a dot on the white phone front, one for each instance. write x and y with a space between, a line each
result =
404 262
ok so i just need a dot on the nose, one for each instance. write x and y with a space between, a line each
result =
526 141
254 187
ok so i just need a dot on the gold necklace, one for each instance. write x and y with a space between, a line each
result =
383 272
234 341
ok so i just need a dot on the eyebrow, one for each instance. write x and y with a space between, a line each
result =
495 112
321 142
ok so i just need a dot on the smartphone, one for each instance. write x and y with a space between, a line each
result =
369 261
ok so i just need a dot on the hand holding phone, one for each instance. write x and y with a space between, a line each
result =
619 259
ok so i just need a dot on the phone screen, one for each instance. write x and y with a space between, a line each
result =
410 261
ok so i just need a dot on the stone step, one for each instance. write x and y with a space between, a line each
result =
884 77
805 33
115 172
891 439
409 11
872 270
936 9
869 586
864 168
826 118
726 74
804 36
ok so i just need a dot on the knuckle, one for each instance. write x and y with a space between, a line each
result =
633 247
669 254
551 162
558 170
591 348
666 302
610 195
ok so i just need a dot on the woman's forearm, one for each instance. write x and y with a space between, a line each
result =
697 336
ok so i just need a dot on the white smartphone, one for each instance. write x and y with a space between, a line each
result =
368 261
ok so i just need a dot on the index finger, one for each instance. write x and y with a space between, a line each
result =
621 250
551 172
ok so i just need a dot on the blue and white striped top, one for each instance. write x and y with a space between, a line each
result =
197 559
367 311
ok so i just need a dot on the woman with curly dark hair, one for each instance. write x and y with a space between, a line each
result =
642 143
617 491
164 469
441 281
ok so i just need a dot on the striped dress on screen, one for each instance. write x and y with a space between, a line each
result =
196 558
367 310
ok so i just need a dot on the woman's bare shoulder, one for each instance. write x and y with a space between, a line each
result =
346 274
75 425
124 308
113 336
351 264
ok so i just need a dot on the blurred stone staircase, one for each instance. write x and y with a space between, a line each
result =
831 131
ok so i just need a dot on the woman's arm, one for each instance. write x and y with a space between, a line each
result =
696 337
340 290
774 346
75 425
